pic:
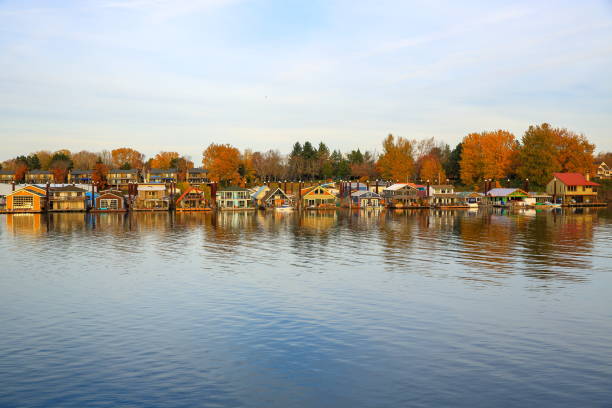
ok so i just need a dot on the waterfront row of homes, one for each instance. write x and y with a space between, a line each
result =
563 189
116 178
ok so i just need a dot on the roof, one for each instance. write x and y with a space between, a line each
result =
503 192
260 192
68 188
399 186
7 172
28 190
38 171
161 171
538 194
151 187
574 179
469 194
365 193
110 192
76 172
190 190
123 171
197 170
272 192
441 186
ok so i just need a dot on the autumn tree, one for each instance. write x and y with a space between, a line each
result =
431 169
163 160
222 162
537 156
61 163
44 158
268 165
100 170
487 155
84 160
396 162
20 171
126 157
574 152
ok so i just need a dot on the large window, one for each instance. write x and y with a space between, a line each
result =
109 204
23 202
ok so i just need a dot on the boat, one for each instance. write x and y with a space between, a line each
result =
284 208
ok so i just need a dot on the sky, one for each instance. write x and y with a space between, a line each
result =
177 75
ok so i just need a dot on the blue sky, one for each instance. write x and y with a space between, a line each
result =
180 74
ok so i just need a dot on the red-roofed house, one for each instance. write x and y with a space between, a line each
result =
572 188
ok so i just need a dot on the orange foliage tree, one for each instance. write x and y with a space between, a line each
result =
396 161
100 171
163 160
487 155
126 157
222 162
431 169
20 171
574 152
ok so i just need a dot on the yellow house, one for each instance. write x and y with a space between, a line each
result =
7 176
39 177
572 188
67 198
317 197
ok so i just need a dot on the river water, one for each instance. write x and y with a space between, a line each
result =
319 309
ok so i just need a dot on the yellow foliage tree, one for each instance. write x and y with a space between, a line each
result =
222 162
431 169
396 161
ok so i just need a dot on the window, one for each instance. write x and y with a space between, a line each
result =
109 204
23 202
571 188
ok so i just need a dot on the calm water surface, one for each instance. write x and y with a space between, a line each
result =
326 309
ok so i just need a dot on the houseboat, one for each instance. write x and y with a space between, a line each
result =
443 196
110 201
403 195
506 197
234 198
317 197
472 199
67 198
276 198
28 199
193 199
573 189
151 197
366 200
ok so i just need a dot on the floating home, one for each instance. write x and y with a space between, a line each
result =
110 201
193 199
276 197
470 198
572 188
504 197
401 195
366 199
234 198
442 195
317 197
67 198
151 197
28 199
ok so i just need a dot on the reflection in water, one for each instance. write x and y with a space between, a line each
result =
488 245
319 308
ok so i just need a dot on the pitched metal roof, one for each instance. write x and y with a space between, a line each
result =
161 171
503 192
574 179
38 171
197 170
77 172
123 171
67 188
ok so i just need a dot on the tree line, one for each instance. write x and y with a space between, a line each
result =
489 155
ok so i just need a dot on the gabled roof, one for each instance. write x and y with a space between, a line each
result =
272 192
115 193
189 190
260 192
473 194
27 190
309 190
399 186
441 186
503 192
574 179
